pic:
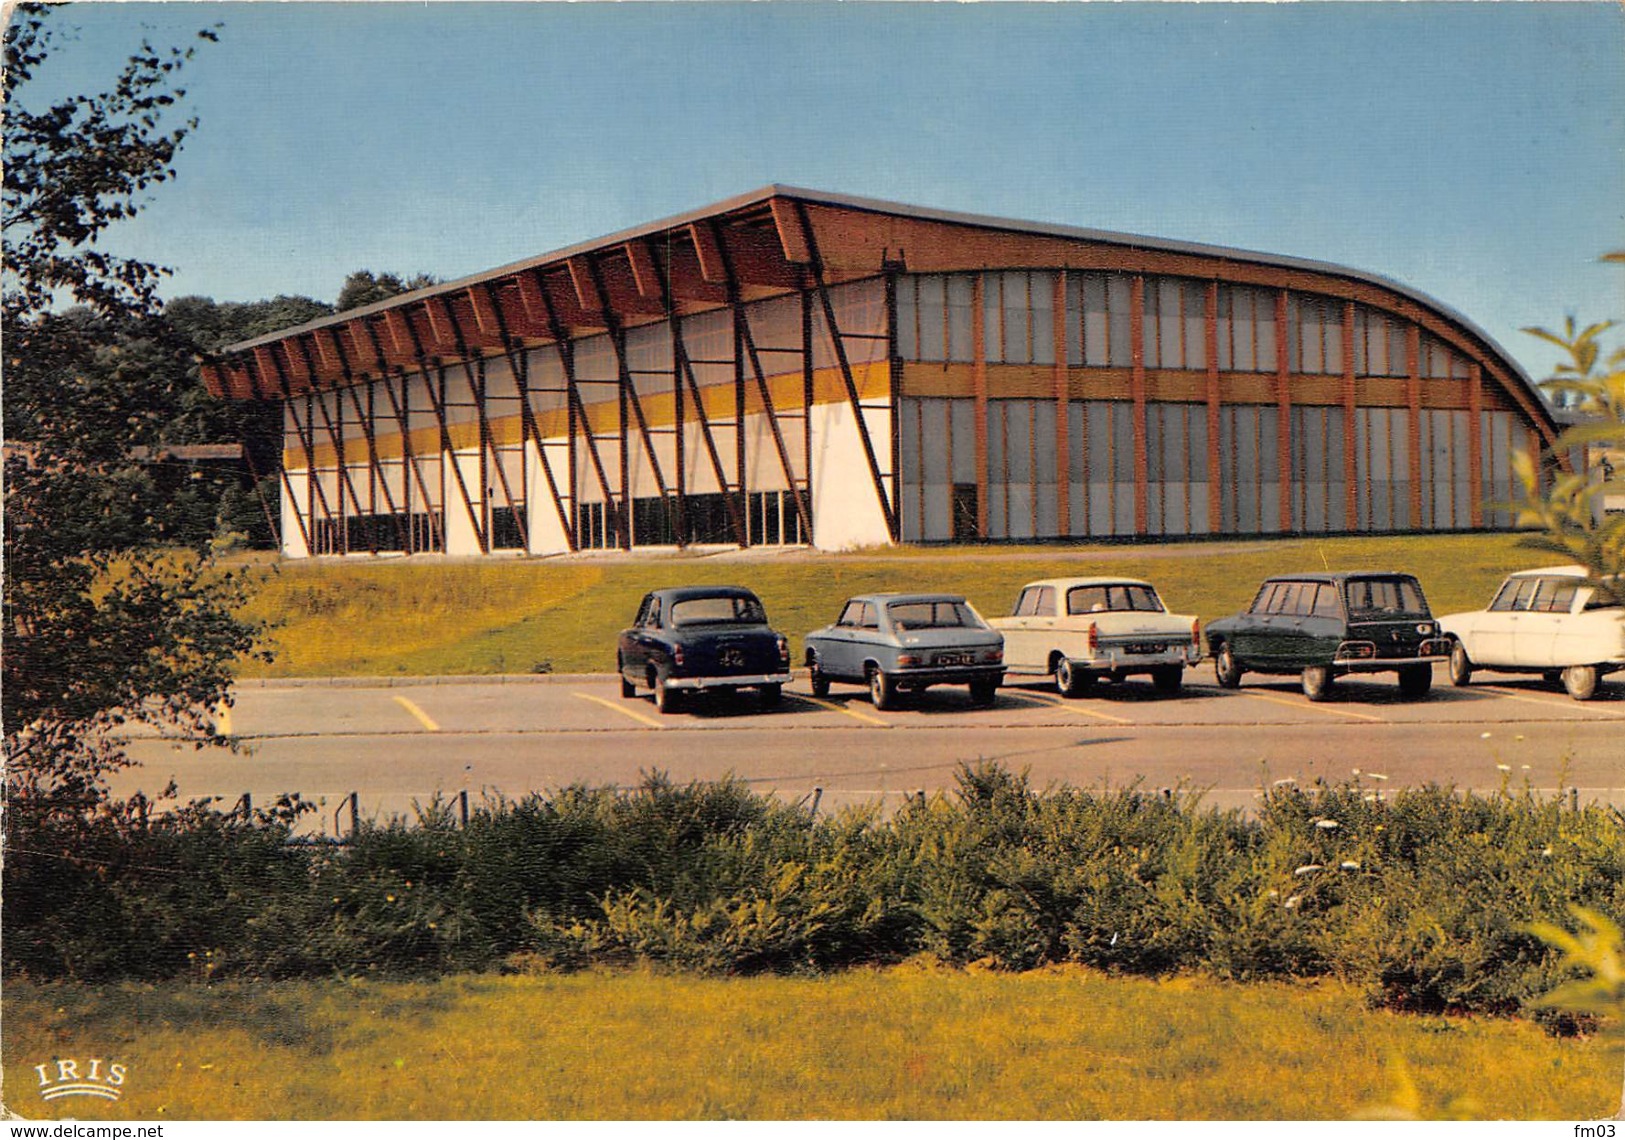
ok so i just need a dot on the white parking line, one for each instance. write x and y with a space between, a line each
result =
1313 707
222 719
1559 703
1056 703
624 710
422 717
833 707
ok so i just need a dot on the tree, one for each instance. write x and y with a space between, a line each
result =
1565 513
363 287
104 623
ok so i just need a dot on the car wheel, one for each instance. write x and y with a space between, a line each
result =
1581 681
1552 676
771 694
1415 681
982 692
1168 678
1461 666
1226 669
666 698
820 683
628 689
1317 682
1070 681
882 689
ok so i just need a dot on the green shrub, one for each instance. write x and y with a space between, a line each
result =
1424 896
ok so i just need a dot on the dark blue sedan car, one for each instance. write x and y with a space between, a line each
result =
686 639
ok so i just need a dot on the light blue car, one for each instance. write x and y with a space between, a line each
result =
896 643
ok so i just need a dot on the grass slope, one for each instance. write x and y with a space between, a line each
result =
913 1042
439 616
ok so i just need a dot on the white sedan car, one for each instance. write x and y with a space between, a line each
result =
1079 630
1544 621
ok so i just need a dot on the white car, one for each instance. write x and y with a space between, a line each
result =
1080 630
1541 621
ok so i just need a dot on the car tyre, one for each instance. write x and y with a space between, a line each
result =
882 690
982 692
1070 681
1461 666
1226 669
666 698
1317 682
1168 679
815 675
1580 681
1415 681
628 689
1552 676
771 695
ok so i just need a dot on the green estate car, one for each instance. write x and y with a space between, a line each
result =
1323 626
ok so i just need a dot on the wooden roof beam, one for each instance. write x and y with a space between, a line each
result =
524 321
686 280
273 372
562 293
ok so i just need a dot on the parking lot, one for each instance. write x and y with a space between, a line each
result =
401 742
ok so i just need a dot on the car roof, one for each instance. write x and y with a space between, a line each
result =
688 593
1070 583
1338 575
886 599
1552 572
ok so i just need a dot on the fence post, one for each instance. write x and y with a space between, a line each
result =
818 795
355 813
462 806
1574 799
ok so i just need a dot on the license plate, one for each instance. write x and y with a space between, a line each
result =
732 658
1144 648
954 659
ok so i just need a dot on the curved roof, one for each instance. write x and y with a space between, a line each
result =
768 242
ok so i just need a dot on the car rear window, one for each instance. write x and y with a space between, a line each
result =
718 611
1386 597
932 615
1112 598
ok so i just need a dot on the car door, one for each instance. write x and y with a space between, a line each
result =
837 647
1026 633
1286 644
1536 639
635 642
1494 633
1252 628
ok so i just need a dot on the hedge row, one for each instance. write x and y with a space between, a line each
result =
1422 894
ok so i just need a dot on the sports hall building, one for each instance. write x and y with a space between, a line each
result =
792 367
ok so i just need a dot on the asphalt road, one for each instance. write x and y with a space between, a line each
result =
396 744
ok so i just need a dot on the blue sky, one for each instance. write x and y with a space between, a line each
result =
1473 151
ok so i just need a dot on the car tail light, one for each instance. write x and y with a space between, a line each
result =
1356 650
993 656
677 655
1196 634
909 660
784 651
1094 637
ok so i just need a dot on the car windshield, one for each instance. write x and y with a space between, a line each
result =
1386 597
1112 598
718 611
933 615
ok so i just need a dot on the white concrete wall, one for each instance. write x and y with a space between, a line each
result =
547 535
846 511
293 539
461 537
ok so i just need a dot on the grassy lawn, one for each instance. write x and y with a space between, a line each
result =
912 1042
439 616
